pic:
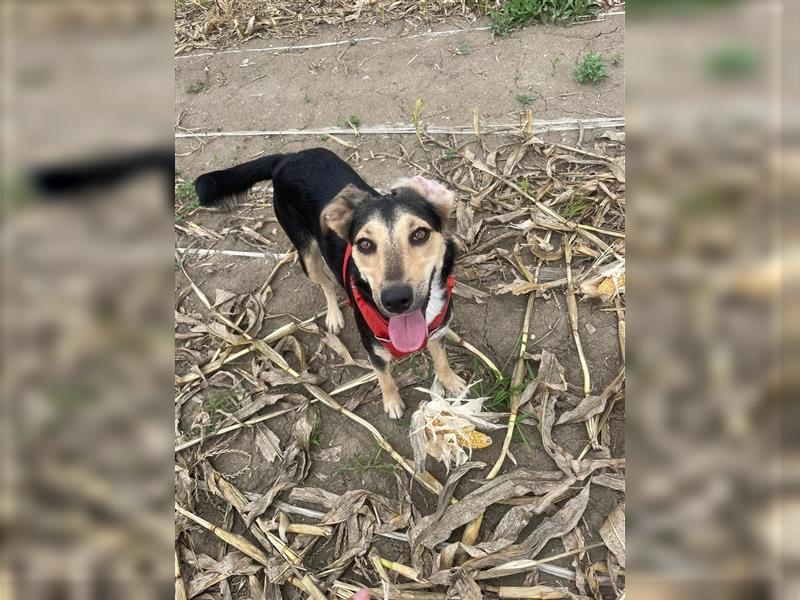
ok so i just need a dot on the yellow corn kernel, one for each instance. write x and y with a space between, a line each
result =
474 439
609 286
470 438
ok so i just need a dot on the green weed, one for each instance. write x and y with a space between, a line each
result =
463 49
315 437
591 69
519 434
554 63
216 407
352 121
525 99
195 88
574 206
187 199
516 14
733 62
524 184
362 466
184 191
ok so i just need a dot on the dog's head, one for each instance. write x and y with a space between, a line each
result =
399 239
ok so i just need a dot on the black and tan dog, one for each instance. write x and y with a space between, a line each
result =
390 252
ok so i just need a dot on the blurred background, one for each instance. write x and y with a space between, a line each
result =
712 414
87 300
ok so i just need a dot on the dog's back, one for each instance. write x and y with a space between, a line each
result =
306 180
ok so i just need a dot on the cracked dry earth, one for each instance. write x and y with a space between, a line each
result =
379 82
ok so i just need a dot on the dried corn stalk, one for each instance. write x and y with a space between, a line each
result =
448 428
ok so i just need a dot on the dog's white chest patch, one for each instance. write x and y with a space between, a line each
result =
435 304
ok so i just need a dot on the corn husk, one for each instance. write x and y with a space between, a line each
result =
608 284
448 429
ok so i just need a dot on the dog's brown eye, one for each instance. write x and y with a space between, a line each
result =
366 246
421 235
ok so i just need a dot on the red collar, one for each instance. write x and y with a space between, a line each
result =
377 323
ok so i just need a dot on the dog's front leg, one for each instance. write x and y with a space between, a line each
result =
392 402
451 382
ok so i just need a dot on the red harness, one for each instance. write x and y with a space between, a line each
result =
378 324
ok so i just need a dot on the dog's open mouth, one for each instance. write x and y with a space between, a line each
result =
407 332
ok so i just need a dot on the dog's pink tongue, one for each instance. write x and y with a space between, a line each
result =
407 332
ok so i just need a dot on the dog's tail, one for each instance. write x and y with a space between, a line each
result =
229 187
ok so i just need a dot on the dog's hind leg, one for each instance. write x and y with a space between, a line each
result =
451 382
319 273
381 361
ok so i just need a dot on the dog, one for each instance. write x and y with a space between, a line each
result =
391 252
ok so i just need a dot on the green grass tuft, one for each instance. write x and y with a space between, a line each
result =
525 99
187 200
362 466
574 207
315 437
591 69
195 88
463 49
736 61
516 14
217 406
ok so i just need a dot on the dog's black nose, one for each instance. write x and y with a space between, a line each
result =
397 298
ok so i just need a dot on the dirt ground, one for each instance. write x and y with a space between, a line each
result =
379 81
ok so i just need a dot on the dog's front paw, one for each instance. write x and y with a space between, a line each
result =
334 320
393 405
453 383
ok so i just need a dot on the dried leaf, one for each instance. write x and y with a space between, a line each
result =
558 525
464 588
613 532
618 168
267 443
222 296
292 468
213 572
588 407
334 343
615 482
436 528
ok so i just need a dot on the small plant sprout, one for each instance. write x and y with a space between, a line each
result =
463 49
315 437
733 62
591 68
574 206
187 199
525 99
616 59
352 121
554 61
524 184
374 462
195 88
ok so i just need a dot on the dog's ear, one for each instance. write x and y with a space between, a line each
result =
442 199
339 212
